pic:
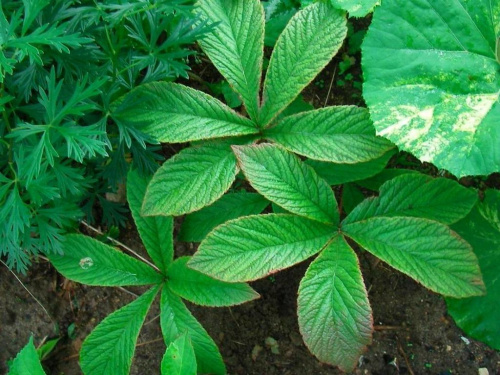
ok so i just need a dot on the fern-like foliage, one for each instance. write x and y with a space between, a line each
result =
61 65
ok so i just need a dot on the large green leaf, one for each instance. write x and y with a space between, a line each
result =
27 361
342 134
88 261
174 113
335 317
337 174
203 290
425 250
478 316
432 82
109 349
252 247
192 179
284 179
179 359
418 195
175 319
197 225
309 41
235 46
155 232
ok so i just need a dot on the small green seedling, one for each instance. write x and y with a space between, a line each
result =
110 346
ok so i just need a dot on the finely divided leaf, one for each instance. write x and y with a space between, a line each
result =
203 290
253 247
418 195
176 319
174 113
235 46
337 174
335 317
27 361
197 225
88 261
284 179
155 232
478 316
425 250
192 179
179 359
342 134
309 41
432 82
109 349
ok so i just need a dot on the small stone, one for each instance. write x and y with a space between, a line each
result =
448 348
466 340
483 371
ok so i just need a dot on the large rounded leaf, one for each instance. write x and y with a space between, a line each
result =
478 316
432 81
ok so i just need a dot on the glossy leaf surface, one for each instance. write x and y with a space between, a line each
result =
335 317
252 247
91 262
432 82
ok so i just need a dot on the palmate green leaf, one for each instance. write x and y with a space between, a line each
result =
432 82
155 232
192 179
284 179
235 46
309 41
335 317
203 290
341 134
27 361
179 359
174 113
88 261
109 348
253 247
478 316
197 225
337 174
418 195
176 319
425 250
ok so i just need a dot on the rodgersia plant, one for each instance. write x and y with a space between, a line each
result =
407 225
109 348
